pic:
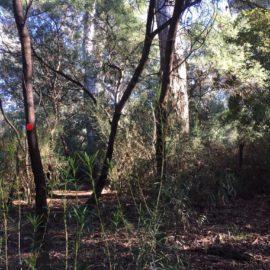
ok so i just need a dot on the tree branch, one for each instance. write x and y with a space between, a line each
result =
61 73
11 125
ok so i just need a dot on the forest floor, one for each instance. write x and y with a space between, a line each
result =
231 237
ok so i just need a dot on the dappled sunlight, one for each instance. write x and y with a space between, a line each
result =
135 135
19 202
78 193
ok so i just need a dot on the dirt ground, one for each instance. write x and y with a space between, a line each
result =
231 237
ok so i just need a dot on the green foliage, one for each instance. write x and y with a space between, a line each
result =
240 70
89 162
229 106
234 67
250 116
118 217
253 34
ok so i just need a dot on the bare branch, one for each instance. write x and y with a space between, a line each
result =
66 76
11 125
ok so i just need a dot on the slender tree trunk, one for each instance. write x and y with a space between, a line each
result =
179 94
32 139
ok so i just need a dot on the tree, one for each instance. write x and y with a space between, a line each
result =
32 138
170 61
178 96
148 39
254 35
90 76
234 78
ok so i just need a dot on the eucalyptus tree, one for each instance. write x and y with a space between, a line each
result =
171 60
90 72
20 16
178 94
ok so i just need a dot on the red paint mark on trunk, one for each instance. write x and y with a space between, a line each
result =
29 126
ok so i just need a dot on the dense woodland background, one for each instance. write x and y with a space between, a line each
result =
134 134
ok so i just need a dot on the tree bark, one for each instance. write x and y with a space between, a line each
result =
90 76
178 106
173 94
32 138
161 109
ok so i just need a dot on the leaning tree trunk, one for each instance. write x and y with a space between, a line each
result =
173 95
27 86
90 76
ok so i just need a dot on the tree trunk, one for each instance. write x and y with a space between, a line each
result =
90 76
32 139
177 103
170 80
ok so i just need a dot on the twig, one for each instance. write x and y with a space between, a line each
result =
11 125
61 73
